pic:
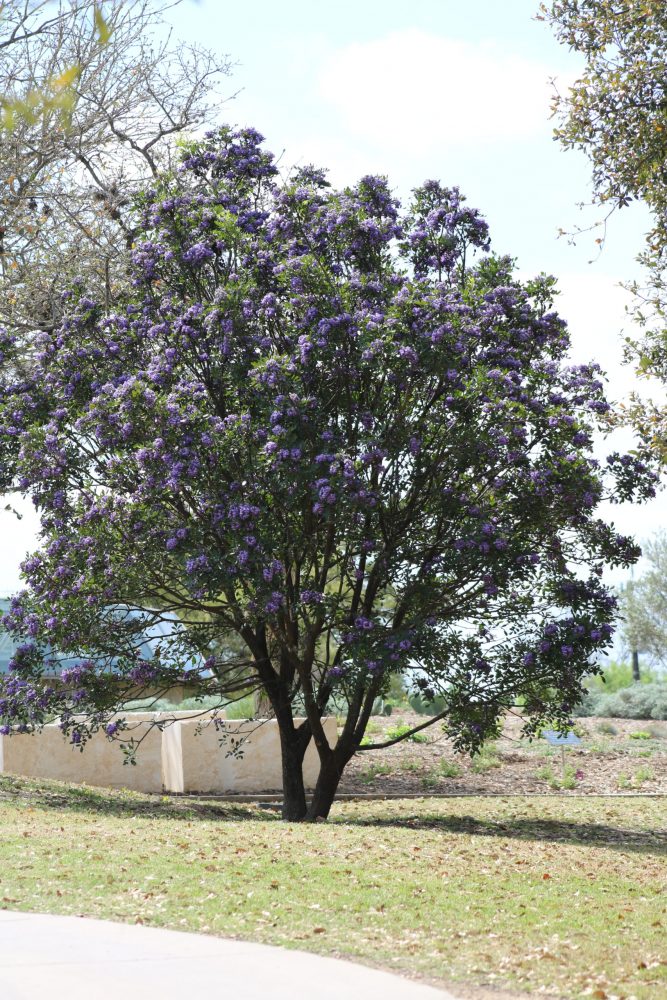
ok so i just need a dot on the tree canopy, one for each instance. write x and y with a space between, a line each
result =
616 112
644 604
339 431
92 97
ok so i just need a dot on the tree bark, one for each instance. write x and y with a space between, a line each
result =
294 792
635 665
325 792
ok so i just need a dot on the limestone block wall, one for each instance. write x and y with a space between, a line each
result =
190 754
48 755
207 765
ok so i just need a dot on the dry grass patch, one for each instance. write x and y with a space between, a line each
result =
560 896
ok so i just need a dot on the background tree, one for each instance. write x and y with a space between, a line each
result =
616 112
93 97
343 434
644 605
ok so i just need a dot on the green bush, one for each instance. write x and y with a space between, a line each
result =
401 728
486 759
448 769
567 780
641 701
422 707
608 728
619 675
374 771
149 705
244 708
207 704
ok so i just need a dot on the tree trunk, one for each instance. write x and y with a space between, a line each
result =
635 665
294 792
262 705
325 790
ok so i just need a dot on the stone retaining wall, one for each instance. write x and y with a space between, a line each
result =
192 753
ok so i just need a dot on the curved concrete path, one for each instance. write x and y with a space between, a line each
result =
70 958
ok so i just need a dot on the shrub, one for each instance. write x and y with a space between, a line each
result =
242 709
401 728
617 676
642 701
374 771
423 707
449 769
608 728
485 760
568 780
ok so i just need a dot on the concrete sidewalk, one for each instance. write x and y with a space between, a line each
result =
70 958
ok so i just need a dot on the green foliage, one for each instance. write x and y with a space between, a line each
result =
449 769
644 604
568 780
423 707
642 701
400 731
616 114
396 692
486 759
374 771
244 708
640 734
607 727
617 676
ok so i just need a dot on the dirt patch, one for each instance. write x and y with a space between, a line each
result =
615 755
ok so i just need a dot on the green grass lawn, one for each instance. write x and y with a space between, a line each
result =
567 896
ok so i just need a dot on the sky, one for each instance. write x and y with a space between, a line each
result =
440 89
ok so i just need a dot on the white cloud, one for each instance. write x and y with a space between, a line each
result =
416 88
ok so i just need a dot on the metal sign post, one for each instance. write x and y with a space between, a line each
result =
562 740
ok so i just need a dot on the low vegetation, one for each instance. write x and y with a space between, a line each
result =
640 701
516 891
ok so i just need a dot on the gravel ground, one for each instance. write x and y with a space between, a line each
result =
609 760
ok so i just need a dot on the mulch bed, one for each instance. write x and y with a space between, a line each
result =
607 762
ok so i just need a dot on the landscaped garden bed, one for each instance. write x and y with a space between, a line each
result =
615 755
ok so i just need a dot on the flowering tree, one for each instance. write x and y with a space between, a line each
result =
344 436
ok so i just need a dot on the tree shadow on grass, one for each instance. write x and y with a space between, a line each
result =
551 830
118 803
